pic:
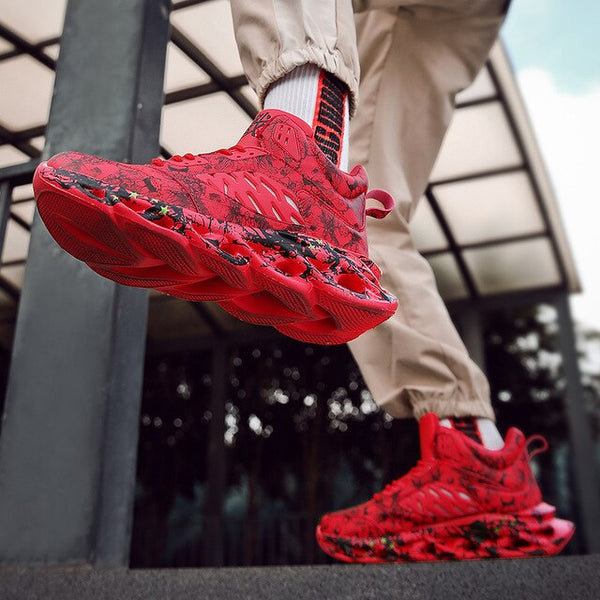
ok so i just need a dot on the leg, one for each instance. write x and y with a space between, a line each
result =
296 61
462 500
274 37
414 60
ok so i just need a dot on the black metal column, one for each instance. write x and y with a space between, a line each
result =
587 480
68 444
215 467
5 198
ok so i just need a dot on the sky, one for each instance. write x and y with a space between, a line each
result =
553 46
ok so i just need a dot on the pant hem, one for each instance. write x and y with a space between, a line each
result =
289 60
443 408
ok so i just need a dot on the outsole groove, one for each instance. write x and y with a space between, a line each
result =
73 232
162 247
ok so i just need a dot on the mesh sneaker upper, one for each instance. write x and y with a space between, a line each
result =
276 177
454 478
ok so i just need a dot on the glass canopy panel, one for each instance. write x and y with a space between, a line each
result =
22 192
16 242
425 229
52 51
181 72
478 140
250 95
448 278
193 125
24 210
210 26
34 20
490 208
26 92
481 88
14 274
514 266
9 155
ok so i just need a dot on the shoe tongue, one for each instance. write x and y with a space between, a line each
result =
266 117
428 426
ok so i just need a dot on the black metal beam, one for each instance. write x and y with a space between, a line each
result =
24 46
215 461
508 300
477 102
38 46
69 441
512 239
452 244
196 55
187 3
30 132
5 201
583 451
478 175
21 222
8 137
10 289
18 262
208 318
19 174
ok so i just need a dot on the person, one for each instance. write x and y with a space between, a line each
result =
273 229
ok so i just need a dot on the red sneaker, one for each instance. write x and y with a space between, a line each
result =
461 501
270 229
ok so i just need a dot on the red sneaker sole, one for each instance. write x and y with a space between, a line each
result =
535 532
304 287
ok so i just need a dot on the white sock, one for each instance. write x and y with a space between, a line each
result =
302 92
488 432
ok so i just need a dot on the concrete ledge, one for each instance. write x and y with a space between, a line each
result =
570 577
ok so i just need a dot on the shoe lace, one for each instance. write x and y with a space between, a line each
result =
418 469
159 162
536 440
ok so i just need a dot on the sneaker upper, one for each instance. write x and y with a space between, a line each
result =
455 477
276 177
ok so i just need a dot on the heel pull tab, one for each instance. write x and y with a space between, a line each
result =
536 450
384 198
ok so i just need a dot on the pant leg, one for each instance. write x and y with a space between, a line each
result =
414 59
274 36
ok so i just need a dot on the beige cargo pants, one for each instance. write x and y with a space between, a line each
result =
406 60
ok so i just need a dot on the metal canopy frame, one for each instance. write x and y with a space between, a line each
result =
233 86
111 548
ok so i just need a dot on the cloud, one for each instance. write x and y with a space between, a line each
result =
567 126
561 37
